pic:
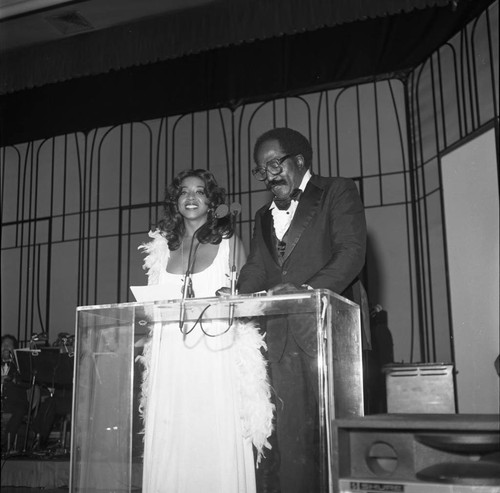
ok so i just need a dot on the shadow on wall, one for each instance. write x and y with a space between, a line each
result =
381 354
382 350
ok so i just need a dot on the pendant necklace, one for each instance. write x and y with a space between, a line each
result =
190 291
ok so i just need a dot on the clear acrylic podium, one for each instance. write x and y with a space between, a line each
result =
107 444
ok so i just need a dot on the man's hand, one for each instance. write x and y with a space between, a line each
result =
223 292
285 288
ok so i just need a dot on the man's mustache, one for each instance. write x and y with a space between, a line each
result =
275 183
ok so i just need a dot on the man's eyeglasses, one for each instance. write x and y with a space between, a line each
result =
273 167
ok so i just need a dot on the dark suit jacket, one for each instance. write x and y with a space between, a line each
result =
325 249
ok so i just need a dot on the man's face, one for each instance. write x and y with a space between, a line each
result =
293 169
7 348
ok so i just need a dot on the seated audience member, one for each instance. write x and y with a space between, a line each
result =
56 401
14 395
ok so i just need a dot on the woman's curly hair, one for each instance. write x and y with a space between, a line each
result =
172 225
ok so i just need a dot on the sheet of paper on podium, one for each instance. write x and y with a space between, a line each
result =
154 292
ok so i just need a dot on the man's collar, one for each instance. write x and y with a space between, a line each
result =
305 179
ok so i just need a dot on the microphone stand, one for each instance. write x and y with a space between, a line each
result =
235 210
233 293
30 410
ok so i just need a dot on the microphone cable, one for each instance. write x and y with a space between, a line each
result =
187 287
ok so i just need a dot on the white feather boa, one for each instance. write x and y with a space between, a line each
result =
254 388
157 256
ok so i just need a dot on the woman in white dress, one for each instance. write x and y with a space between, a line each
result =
205 394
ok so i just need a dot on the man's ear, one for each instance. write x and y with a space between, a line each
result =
301 163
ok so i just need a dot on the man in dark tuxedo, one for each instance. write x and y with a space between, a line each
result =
314 238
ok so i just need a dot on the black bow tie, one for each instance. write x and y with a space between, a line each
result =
284 204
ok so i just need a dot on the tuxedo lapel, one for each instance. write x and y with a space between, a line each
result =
306 209
268 234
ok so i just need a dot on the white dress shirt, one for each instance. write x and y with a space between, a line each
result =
281 218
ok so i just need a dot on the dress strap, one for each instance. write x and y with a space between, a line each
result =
222 261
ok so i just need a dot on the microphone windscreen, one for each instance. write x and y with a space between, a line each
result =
235 208
221 211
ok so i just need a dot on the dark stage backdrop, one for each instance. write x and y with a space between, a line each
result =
238 55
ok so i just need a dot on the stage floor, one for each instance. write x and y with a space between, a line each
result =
33 472
21 489
25 474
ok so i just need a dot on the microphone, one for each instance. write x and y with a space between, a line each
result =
221 211
234 209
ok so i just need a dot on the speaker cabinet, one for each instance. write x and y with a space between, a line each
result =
423 453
